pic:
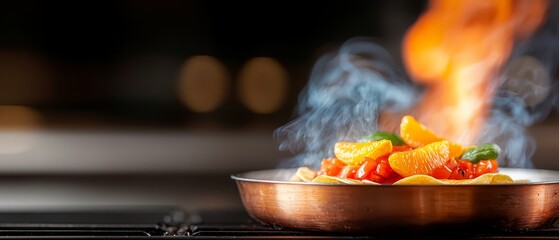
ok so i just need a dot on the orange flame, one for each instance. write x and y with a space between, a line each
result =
456 48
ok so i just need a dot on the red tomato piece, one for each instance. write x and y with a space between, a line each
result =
376 178
480 168
457 174
383 168
331 167
365 169
494 166
467 168
442 172
485 166
451 164
348 172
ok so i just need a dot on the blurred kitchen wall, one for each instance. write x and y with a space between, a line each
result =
121 61
168 85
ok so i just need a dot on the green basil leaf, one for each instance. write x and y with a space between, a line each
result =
484 152
394 138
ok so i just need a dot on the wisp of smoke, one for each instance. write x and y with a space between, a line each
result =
512 113
346 91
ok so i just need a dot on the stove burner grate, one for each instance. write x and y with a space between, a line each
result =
175 224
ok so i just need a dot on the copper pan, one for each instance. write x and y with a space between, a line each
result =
269 198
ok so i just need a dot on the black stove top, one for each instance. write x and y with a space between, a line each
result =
173 223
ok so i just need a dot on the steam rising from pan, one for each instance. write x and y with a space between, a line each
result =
346 91
526 92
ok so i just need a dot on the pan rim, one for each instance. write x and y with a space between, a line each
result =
241 177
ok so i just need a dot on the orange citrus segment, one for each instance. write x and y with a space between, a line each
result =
455 150
416 134
420 160
353 153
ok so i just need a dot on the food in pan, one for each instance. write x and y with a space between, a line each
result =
415 156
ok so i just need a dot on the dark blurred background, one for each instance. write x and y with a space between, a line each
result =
119 62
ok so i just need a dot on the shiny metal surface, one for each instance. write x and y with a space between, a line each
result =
269 198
